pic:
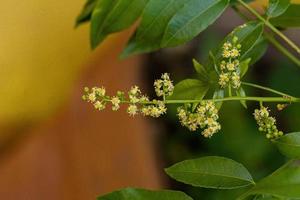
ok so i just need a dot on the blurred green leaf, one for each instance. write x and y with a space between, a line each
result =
211 172
214 62
284 183
203 75
155 18
241 93
142 194
170 23
232 2
266 197
277 7
113 16
190 89
193 18
248 36
289 145
86 12
290 18
259 49
219 94
244 66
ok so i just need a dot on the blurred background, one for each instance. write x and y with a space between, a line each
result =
55 146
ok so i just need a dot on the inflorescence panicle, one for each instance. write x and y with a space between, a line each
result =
137 102
266 123
203 115
230 75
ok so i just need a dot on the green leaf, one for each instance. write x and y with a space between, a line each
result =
289 145
166 23
248 36
211 172
267 197
142 194
277 7
283 183
258 50
291 17
219 94
86 12
241 93
155 19
232 2
189 89
244 66
214 62
101 11
200 70
193 18
113 16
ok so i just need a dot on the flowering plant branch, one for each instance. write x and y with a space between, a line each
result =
273 28
171 23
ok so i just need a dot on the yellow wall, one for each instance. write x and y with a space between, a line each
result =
40 54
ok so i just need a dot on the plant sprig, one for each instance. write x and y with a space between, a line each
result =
269 25
170 23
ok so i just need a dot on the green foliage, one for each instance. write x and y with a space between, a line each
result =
150 32
248 36
219 94
86 12
241 93
211 172
193 18
277 7
164 23
142 194
244 66
233 2
289 145
170 23
190 89
200 69
283 183
258 50
113 16
291 18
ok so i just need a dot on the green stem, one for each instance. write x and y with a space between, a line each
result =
272 40
229 91
266 89
284 99
281 48
268 24
235 98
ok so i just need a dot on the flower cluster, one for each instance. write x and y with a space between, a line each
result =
163 86
205 117
266 123
229 65
97 97
155 110
137 103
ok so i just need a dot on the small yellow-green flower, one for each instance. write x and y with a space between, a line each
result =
204 117
229 65
266 123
